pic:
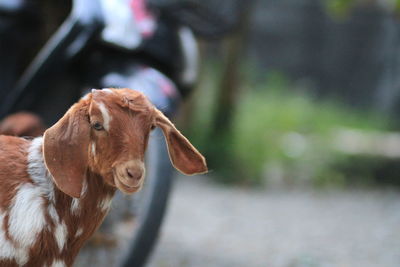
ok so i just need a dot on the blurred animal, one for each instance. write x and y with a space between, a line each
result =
55 190
22 124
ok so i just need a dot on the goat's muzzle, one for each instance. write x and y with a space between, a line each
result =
129 176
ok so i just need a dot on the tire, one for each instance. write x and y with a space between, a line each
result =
159 177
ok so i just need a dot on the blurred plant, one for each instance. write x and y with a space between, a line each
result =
290 128
341 8
281 134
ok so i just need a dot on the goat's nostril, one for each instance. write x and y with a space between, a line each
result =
133 174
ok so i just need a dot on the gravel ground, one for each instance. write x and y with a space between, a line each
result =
213 225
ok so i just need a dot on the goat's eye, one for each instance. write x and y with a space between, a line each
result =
97 126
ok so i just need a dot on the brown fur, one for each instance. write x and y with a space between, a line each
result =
13 151
88 218
75 154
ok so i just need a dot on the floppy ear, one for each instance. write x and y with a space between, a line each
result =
65 150
184 156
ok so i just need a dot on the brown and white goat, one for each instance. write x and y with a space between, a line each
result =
56 190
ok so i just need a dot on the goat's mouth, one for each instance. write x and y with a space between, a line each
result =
129 176
125 187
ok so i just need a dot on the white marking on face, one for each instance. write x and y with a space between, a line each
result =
105 203
79 232
37 170
106 116
93 149
60 235
58 263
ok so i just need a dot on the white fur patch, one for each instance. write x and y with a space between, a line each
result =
38 171
7 250
53 214
79 232
40 176
21 256
26 219
105 203
106 116
85 97
27 211
58 263
107 90
75 206
84 188
60 235
76 202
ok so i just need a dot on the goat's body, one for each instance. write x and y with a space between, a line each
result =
39 224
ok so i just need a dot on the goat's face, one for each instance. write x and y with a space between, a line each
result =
121 122
107 132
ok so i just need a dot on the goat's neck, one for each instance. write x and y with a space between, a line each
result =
75 218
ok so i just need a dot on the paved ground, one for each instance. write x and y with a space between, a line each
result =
211 225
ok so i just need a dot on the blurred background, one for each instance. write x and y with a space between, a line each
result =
296 111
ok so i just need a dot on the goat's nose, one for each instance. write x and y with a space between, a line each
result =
134 174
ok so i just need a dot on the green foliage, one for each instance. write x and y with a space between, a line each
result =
279 130
274 124
341 8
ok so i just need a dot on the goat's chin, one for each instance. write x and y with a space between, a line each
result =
127 189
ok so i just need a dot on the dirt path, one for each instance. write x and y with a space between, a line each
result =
211 225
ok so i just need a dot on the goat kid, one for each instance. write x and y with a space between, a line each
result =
55 190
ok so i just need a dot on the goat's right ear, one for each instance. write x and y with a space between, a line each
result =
65 150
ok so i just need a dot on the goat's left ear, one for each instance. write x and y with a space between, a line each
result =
184 156
65 150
